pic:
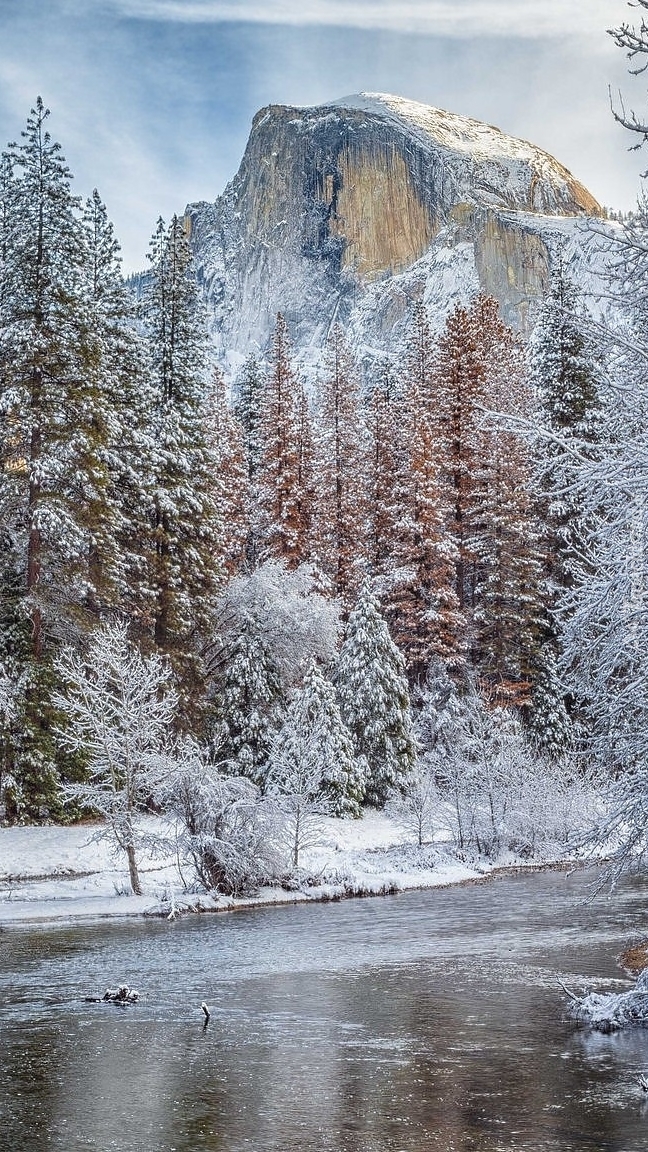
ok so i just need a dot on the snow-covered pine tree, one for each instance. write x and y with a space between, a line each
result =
508 601
248 408
374 699
314 736
188 567
285 480
478 370
228 444
120 544
341 517
565 369
388 479
429 620
460 391
250 704
50 449
437 706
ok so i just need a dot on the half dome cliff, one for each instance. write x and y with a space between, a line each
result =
376 198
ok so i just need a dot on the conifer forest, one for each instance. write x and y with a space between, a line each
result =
249 596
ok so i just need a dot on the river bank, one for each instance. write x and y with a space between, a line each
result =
65 873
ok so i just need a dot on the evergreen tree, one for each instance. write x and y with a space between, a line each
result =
388 480
120 545
492 521
50 447
507 544
187 567
248 409
342 466
44 357
549 720
374 699
460 394
565 370
438 705
250 705
430 623
285 482
228 444
314 737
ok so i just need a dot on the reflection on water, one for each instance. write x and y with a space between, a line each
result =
430 1020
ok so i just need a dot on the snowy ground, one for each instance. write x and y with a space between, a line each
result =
55 873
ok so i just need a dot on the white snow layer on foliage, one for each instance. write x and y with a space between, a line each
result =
611 1011
61 873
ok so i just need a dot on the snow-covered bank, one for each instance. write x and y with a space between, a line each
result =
62 873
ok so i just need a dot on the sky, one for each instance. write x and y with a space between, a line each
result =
152 100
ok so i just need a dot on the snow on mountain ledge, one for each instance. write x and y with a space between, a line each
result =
335 204
451 131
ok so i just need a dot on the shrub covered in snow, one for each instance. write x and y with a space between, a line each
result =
119 707
416 807
226 832
501 795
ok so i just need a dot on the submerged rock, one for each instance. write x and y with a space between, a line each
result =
611 1011
121 995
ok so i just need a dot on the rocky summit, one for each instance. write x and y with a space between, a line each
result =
351 210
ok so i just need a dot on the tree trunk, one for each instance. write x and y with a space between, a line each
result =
34 540
133 872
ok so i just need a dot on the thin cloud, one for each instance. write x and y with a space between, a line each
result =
456 18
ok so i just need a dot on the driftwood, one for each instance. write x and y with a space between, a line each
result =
611 1011
122 996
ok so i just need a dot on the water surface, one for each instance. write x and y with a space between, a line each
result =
428 1020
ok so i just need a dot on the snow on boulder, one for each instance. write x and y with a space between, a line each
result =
611 1011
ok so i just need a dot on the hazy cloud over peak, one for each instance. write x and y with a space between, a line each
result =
460 18
153 100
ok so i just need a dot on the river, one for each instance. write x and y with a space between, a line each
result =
428 1020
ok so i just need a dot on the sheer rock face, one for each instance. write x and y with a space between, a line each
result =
375 197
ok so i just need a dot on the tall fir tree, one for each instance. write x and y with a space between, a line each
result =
227 438
250 705
565 370
248 409
374 700
460 393
186 522
430 622
123 404
479 371
285 472
342 455
507 532
388 479
313 731
50 448
564 365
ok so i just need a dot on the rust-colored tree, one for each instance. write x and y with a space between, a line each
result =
435 621
479 372
228 442
285 483
342 473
